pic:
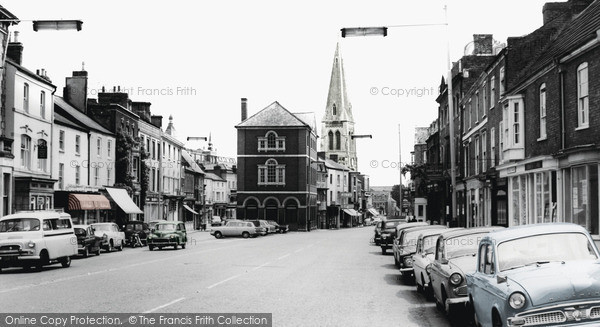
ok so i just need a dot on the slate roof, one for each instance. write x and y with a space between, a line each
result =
308 118
274 115
213 177
579 31
58 118
332 164
186 156
79 116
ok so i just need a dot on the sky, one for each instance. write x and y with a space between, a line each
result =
194 60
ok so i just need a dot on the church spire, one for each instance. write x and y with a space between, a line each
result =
338 122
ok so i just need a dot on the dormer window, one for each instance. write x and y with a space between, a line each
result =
271 142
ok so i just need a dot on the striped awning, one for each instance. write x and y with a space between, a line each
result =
88 202
373 211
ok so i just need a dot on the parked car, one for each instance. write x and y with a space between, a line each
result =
168 233
397 230
270 227
423 258
136 227
87 241
113 237
279 228
262 228
36 238
388 233
216 221
408 246
544 274
243 228
454 256
368 221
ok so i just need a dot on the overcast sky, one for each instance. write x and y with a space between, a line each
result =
196 59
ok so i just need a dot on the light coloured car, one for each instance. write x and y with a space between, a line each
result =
536 275
408 246
243 228
454 256
397 231
423 258
36 238
113 237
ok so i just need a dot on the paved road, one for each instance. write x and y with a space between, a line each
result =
321 278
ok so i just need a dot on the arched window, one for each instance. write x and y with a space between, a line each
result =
330 137
338 137
334 110
271 173
271 140
25 151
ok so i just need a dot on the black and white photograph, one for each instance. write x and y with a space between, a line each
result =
279 163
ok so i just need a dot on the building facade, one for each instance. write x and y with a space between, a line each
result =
276 177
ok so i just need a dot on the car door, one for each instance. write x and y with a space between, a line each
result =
436 269
230 228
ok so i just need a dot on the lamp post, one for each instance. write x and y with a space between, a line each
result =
382 31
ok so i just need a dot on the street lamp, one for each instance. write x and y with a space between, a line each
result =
369 31
50 25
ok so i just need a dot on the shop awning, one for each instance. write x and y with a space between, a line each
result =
351 212
88 202
189 209
123 200
373 212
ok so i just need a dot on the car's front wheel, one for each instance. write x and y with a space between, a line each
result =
151 247
218 235
86 251
65 262
245 234
496 320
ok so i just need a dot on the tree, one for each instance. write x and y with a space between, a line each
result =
396 195
144 175
124 147
418 174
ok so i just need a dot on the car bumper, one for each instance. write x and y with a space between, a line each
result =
162 242
568 314
457 302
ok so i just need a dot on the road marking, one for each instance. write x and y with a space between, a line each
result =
165 305
238 275
284 256
88 274
264 264
300 249
224 281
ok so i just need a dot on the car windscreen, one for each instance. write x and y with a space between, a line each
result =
136 227
543 249
19 225
409 240
165 227
80 231
272 222
463 245
429 243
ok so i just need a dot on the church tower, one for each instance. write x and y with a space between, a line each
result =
337 123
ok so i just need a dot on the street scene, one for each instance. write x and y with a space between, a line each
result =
315 164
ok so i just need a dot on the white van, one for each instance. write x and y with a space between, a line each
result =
36 238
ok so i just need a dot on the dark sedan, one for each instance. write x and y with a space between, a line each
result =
87 242
279 228
139 227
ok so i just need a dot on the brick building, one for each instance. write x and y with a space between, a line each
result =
276 174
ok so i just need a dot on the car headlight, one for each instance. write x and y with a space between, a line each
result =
105 236
31 244
456 279
408 262
173 236
516 300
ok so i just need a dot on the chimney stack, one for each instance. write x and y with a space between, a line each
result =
483 44
244 109
75 90
14 50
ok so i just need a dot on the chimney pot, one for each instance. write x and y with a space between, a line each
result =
16 37
103 90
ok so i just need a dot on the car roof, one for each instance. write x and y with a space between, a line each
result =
426 230
38 214
410 225
170 222
81 226
533 229
102 223
468 231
